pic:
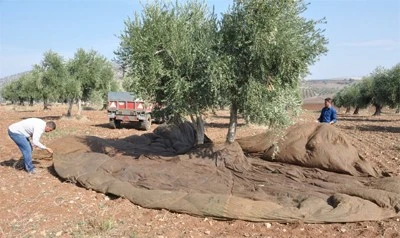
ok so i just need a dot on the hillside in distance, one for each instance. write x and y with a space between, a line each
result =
8 79
315 91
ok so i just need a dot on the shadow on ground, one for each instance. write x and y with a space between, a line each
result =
51 118
373 128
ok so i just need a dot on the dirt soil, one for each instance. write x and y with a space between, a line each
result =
44 206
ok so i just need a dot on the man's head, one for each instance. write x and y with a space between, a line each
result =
50 126
328 102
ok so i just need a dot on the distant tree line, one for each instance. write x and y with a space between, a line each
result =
87 76
380 88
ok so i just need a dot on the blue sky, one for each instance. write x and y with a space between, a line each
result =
363 34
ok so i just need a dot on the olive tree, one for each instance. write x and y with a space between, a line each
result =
346 98
268 46
173 59
11 92
50 74
381 91
21 90
30 87
394 87
89 74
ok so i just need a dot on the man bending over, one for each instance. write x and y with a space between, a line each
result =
21 131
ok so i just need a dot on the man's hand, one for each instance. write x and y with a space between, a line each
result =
49 150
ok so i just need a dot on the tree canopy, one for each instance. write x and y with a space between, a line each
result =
172 58
269 46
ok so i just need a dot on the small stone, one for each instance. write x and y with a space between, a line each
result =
30 220
397 219
3 189
33 232
284 230
148 224
207 232
107 198
59 233
342 230
268 225
302 229
160 236
246 234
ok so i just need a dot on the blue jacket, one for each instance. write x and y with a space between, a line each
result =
328 114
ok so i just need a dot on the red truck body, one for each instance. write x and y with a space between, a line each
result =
126 107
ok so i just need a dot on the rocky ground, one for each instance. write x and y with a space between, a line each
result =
44 206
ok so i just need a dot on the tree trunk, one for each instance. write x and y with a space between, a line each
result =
356 111
105 106
378 110
198 123
79 107
70 104
31 101
348 110
232 123
21 102
45 104
398 109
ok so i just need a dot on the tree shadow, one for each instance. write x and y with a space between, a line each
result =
25 111
222 125
123 126
51 118
221 117
390 129
104 125
363 118
148 144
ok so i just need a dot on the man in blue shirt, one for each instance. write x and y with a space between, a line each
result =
328 113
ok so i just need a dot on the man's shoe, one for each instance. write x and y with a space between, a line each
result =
34 172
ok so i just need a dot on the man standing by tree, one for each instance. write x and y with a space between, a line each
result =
20 132
328 113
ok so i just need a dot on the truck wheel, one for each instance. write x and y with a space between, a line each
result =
115 123
146 124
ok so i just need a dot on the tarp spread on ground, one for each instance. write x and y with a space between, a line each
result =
313 174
